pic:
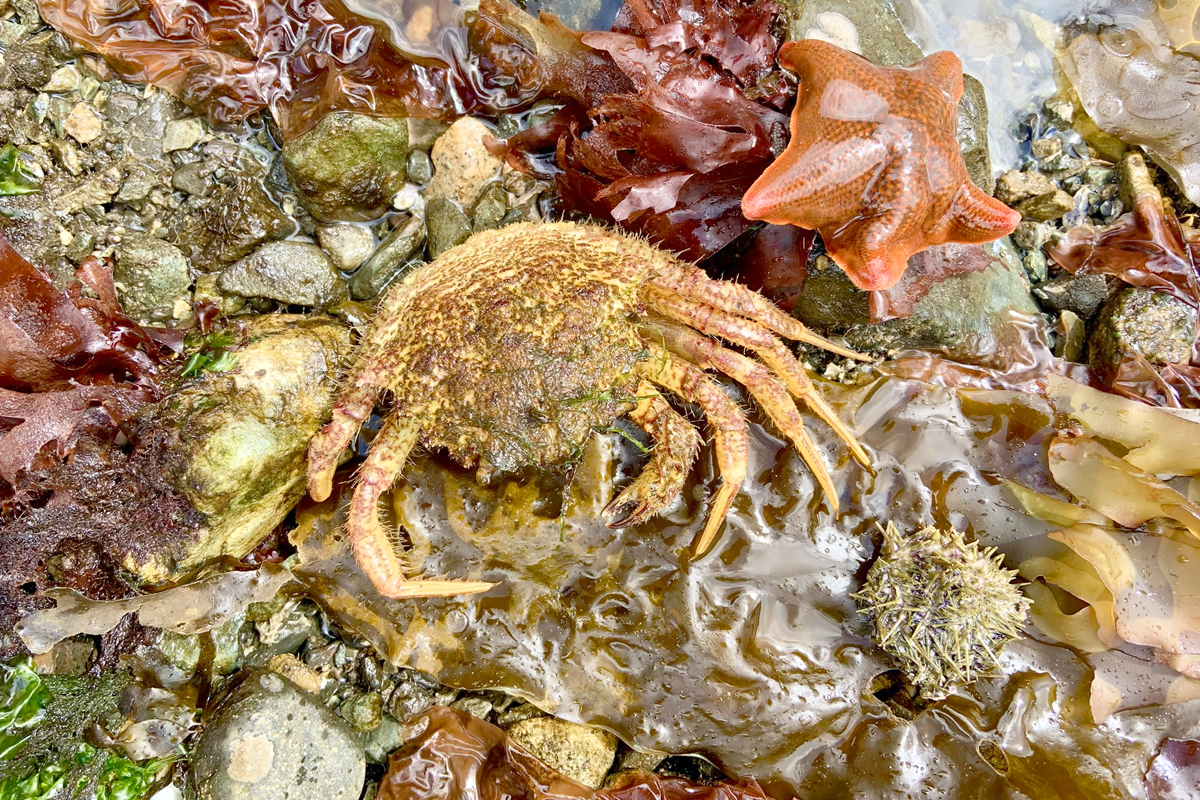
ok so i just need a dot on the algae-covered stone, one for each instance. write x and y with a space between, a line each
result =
1156 325
151 275
347 245
447 224
349 165
296 273
268 740
227 222
392 257
240 436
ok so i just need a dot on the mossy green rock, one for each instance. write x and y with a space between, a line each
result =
1156 325
348 166
242 435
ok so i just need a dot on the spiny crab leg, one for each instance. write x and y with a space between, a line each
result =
369 540
676 444
692 282
731 442
770 393
349 412
764 343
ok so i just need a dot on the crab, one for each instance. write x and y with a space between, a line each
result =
512 348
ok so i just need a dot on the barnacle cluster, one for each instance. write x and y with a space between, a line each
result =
941 606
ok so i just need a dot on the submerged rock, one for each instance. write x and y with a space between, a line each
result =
349 165
151 277
295 273
577 751
1157 326
268 740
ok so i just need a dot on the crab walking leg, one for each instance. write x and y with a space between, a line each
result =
676 444
369 540
349 412
766 389
770 349
731 442
692 282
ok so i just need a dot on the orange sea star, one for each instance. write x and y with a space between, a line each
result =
873 163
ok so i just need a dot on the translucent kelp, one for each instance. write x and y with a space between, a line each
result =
451 755
620 629
305 58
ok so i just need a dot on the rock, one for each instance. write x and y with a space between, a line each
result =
227 655
490 209
462 166
139 181
296 671
237 439
959 315
348 166
83 124
422 133
268 740
420 167
64 79
1033 235
207 291
151 275
1072 335
296 273
1049 147
1156 325
346 245
363 711
1080 294
383 739
1037 267
96 189
1059 112
31 59
973 134
830 301
479 707
577 751
869 28
447 225
181 134
286 629
1014 186
391 259
1045 207
415 692
227 224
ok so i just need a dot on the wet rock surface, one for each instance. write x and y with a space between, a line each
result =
270 741
1156 326
461 163
294 273
577 751
153 278
349 165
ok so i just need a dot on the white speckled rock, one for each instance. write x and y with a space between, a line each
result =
462 166
577 751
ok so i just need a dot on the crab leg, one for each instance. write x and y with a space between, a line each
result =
676 444
770 393
730 440
349 412
693 282
369 540
770 349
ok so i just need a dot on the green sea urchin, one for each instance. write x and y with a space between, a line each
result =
942 607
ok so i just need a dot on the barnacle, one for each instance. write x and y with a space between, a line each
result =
943 607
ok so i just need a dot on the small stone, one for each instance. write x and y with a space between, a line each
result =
268 740
412 694
1098 175
64 79
228 222
490 209
637 761
447 225
95 190
208 291
1032 235
1080 294
349 166
347 245
364 712
286 630
475 706
1158 326
972 134
295 273
227 655
1072 335
181 134
1059 113
422 133
1135 180
462 164
1037 269
830 300
296 671
67 155
193 179
1044 207
577 751
83 124
383 739
140 180
150 275
420 167
1043 149
393 258
1014 186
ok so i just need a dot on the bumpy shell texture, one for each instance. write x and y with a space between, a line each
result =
942 607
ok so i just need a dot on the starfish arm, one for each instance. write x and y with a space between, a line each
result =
803 188
977 217
943 70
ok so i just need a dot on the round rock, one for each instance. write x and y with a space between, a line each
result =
348 166
1156 325
577 751
269 740
151 275
296 273
462 165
